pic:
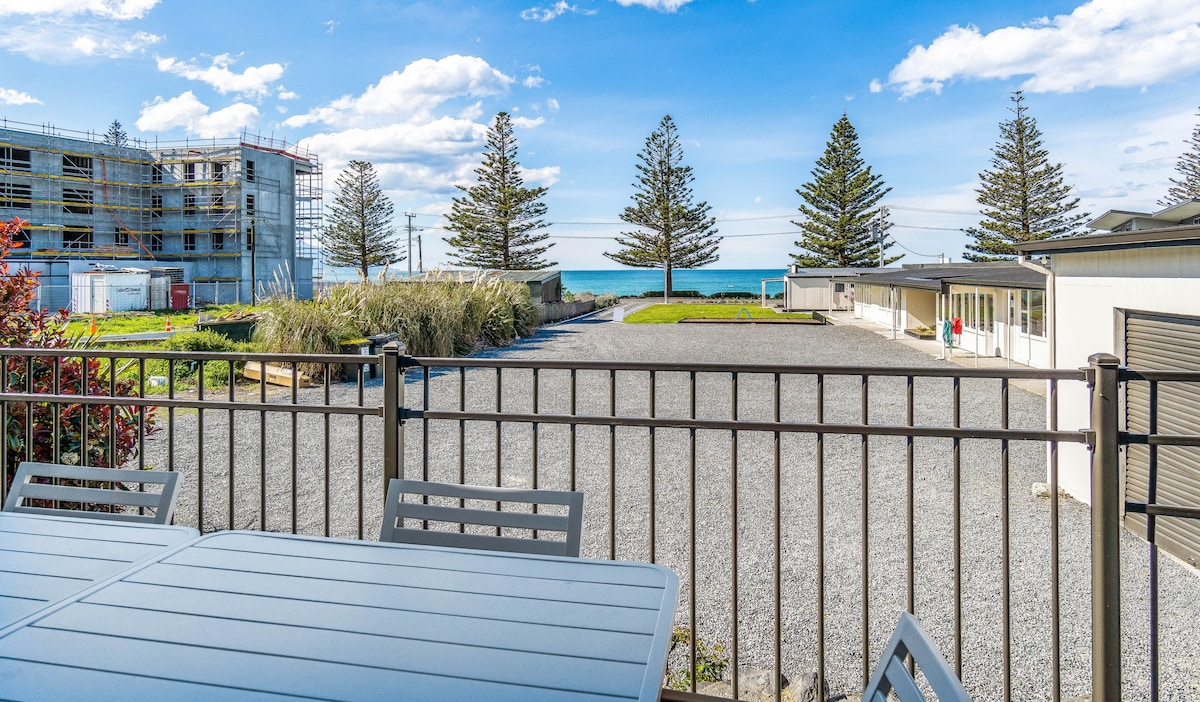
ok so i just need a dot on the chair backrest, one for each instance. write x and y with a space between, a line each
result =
162 503
891 673
397 510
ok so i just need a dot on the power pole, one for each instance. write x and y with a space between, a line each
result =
408 251
420 256
879 231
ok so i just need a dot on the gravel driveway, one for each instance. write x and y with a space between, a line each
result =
631 534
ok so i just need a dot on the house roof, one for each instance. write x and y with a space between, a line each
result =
1110 241
935 277
833 272
1167 217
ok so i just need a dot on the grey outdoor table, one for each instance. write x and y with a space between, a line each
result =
44 560
251 615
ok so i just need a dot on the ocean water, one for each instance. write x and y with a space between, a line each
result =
633 282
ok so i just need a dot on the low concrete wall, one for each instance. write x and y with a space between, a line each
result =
554 311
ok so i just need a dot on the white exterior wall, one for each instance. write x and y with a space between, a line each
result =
1089 288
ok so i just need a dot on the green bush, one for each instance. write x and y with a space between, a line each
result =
606 300
734 295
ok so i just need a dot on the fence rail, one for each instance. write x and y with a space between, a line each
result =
803 507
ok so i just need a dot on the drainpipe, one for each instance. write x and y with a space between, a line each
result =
1051 307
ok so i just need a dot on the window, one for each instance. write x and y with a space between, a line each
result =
156 207
249 205
156 174
80 166
16 196
839 287
77 238
1033 310
22 238
77 201
189 203
218 171
15 159
156 240
218 241
121 237
218 203
249 171
189 172
189 240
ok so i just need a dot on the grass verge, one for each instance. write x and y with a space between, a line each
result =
671 314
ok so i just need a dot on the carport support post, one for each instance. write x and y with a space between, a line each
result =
393 423
1104 373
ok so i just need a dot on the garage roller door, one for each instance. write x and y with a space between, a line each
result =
1159 342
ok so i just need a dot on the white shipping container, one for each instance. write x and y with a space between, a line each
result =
159 285
109 292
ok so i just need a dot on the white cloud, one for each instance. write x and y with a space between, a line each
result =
61 31
331 25
255 81
545 14
542 177
8 96
533 82
660 5
110 9
413 93
188 112
1102 43
876 86
528 123
552 104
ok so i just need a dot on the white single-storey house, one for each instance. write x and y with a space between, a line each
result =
1133 292
1001 305
820 289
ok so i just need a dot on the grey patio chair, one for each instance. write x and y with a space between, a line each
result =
162 503
397 510
891 673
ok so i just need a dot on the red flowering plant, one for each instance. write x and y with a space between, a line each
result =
104 436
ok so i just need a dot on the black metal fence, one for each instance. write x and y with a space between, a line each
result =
803 507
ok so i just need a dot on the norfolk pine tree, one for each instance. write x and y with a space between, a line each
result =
840 205
1187 187
496 222
116 136
1023 196
676 233
359 231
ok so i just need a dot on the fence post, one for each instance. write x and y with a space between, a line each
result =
393 423
1104 371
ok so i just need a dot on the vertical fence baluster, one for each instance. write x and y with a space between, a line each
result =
864 525
733 535
1152 498
910 509
1106 523
232 454
695 627
327 454
262 450
425 405
361 378
499 405
1005 541
534 443
956 450
571 437
295 457
462 437
612 465
1055 624
777 675
652 461
822 687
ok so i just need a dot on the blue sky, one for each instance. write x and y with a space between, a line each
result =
754 86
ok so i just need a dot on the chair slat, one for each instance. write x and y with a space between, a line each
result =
24 488
890 674
395 509
485 517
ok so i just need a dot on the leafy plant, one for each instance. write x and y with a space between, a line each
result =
105 436
712 660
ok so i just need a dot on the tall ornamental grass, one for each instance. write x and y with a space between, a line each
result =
433 318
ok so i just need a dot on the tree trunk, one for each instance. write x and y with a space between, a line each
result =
667 282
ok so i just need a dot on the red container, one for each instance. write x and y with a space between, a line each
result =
181 299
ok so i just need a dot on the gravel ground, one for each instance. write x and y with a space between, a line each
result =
327 475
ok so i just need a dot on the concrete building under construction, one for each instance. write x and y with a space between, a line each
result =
230 219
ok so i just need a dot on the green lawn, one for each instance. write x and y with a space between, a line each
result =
670 314
137 322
